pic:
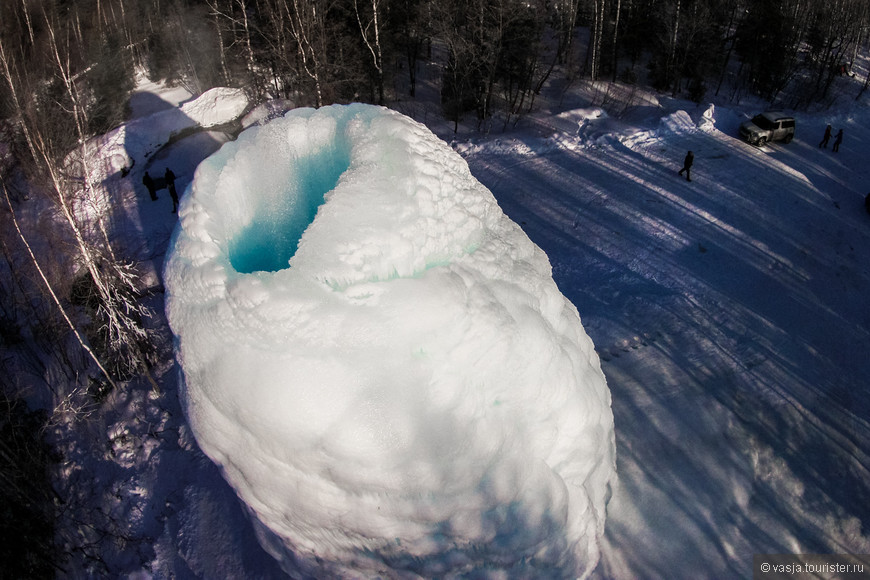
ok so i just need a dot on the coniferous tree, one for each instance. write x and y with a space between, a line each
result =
410 26
520 59
768 37
112 81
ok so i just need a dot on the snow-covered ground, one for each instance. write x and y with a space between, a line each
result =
730 314
732 318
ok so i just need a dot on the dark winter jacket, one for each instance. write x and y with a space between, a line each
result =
690 158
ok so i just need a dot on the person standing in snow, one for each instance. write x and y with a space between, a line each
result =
150 185
837 141
826 138
170 185
687 166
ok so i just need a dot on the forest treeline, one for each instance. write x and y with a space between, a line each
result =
496 54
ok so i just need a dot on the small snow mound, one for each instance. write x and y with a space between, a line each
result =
583 114
216 106
580 117
116 152
407 394
265 112
675 124
678 123
708 119
506 146
638 139
592 126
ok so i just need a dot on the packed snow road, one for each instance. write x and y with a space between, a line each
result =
731 317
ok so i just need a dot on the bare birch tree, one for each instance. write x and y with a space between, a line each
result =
593 54
371 35
307 28
50 290
119 310
10 79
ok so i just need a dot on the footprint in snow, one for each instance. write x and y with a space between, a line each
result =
627 345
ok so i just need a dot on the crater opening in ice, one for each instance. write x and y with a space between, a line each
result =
271 238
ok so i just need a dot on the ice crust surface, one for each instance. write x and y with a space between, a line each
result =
380 361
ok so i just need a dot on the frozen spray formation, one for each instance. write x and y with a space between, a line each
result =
379 359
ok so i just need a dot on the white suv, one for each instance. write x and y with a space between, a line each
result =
769 126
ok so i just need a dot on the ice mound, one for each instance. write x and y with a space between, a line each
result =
380 361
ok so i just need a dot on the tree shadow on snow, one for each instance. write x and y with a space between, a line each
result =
731 336
141 228
190 513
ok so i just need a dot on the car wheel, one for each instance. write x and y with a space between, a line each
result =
787 139
761 141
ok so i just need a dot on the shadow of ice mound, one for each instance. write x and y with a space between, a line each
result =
380 361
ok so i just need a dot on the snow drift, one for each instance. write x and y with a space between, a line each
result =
380 361
118 150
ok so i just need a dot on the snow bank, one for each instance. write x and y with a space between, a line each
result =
380 361
216 106
675 124
119 149
679 123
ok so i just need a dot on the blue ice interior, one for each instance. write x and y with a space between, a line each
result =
272 238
